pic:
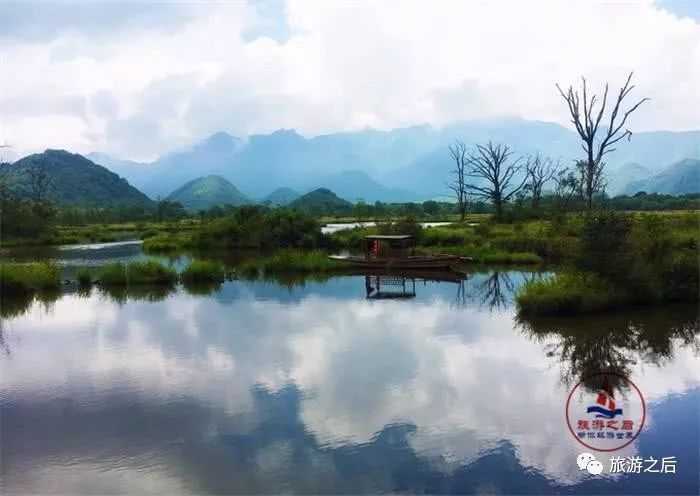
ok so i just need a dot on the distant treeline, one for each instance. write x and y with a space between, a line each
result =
549 204
36 218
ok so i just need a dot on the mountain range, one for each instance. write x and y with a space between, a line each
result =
409 164
403 164
680 178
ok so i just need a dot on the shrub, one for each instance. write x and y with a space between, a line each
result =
145 272
84 276
487 254
447 235
257 227
29 277
605 245
568 293
150 272
149 233
203 271
113 274
291 261
680 278
162 243
482 229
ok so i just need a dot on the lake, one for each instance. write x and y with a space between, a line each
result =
311 387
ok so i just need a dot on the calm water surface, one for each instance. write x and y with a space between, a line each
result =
339 226
260 387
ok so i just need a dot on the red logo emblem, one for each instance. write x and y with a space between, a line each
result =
605 411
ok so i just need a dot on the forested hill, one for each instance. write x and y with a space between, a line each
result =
69 179
205 192
321 200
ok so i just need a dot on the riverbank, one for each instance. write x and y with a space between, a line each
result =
621 259
603 260
104 233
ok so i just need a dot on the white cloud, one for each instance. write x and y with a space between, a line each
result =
334 66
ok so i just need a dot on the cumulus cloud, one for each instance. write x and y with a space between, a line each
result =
140 79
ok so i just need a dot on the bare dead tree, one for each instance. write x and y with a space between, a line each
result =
586 117
590 176
493 165
540 170
458 183
496 291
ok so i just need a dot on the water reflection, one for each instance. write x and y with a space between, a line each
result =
615 342
313 388
147 292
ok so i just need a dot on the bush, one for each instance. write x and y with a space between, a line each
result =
291 261
407 225
84 276
257 227
162 243
605 245
569 293
203 271
16 278
447 235
680 278
146 272
487 254
112 275
150 272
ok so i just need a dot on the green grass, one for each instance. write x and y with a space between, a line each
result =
203 271
112 275
568 293
485 254
291 261
160 243
30 277
84 276
137 273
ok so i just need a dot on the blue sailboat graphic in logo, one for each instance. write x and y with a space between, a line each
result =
605 404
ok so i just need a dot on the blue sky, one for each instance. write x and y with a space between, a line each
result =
138 79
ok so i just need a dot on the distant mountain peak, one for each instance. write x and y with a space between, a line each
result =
76 180
207 191
403 164
321 199
222 137
285 132
61 152
281 196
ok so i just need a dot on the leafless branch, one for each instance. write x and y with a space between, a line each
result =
587 126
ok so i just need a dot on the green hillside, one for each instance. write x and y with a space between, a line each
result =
677 179
281 196
205 192
72 180
321 200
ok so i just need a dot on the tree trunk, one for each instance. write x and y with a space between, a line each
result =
499 209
